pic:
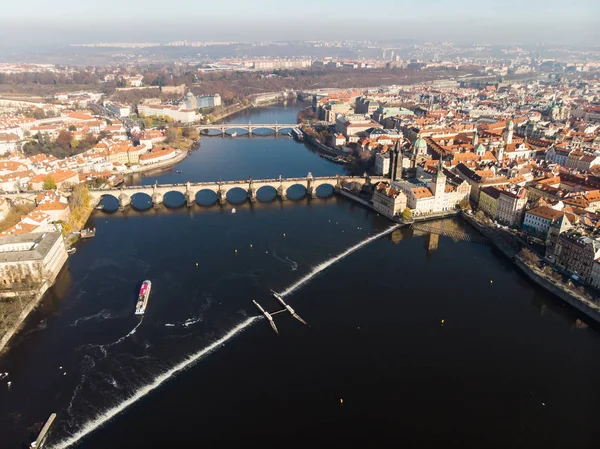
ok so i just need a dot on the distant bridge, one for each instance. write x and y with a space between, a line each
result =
223 128
190 189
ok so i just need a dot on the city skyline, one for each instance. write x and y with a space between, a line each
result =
66 22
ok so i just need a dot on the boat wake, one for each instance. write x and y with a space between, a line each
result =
316 270
289 262
103 418
104 314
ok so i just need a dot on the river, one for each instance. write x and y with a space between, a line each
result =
508 367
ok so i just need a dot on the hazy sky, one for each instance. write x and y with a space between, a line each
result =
67 21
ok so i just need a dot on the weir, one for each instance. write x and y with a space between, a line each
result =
109 414
316 270
103 418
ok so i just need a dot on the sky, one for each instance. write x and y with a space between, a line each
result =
61 22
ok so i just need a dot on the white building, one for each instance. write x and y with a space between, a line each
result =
388 201
441 194
33 257
177 113
119 110
539 220
382 163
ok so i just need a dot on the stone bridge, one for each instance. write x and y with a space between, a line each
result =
224 127
251 186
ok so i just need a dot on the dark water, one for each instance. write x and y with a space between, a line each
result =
508 368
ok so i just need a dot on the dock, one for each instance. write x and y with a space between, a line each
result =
267 316
43 435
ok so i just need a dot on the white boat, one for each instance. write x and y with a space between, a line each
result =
234 134
142 302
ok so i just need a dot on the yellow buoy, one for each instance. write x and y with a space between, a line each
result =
250 245
196 264
491 282
341 401
442 322
284 234
235 251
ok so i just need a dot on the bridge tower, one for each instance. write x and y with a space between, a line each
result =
311 191
189 195
251 191
281 190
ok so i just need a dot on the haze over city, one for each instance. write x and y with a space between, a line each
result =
297 224
42 23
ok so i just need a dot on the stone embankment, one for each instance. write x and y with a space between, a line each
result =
510 247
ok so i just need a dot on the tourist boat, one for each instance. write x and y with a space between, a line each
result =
179 171
142 302
71 250
234 134
100 207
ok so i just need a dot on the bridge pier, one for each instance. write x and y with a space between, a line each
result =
124 201
252 195
157 200
221 197
281 192
189 199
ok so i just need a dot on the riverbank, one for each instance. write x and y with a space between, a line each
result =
159 165
12 318
510 247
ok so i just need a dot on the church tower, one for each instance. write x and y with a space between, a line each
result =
475 140
438 186
508 132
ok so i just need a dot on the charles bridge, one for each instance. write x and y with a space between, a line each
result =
190 189
224 127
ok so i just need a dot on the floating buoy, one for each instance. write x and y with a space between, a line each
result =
284 234
235 251
341 401
233 210
442 322
250 245
491 282
196 264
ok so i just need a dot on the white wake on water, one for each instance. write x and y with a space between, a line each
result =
316 270
103 418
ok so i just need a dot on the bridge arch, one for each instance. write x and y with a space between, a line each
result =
206 197
109 202
325 190
174 199
141 201
236 195
266 193
296 191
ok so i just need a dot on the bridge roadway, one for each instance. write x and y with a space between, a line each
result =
251 186
224 127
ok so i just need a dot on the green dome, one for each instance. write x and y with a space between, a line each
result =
419 143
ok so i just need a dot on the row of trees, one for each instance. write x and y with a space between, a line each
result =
65 144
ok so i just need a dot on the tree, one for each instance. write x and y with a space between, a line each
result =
406 214
74 144
64 139
72 128
80 197
172 134
464 204
148 122
49 183
529 257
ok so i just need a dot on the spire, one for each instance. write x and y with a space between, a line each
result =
475 138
